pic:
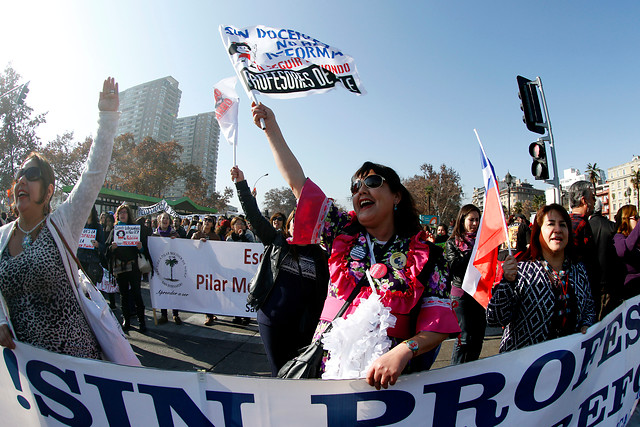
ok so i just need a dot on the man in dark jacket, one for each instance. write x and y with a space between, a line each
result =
603 232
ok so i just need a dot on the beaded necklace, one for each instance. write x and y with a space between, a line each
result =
563 310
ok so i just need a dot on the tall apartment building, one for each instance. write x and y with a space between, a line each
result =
198 135
621 189
150 109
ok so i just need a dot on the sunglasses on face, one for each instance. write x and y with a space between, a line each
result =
208 220
32 174
278 219
372 181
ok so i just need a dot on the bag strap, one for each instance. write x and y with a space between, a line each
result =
73 255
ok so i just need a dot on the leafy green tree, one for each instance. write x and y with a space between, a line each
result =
18 127
635 183
593 173
279 200
67 157
445 191
171 262
539 201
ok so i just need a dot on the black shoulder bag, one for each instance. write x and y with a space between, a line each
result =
307 363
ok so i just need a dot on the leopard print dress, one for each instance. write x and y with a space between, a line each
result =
42 306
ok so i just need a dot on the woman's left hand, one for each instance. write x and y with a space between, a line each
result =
139 245
386 369
109 99
584 329
95 244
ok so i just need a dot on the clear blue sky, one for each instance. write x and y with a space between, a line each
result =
433 70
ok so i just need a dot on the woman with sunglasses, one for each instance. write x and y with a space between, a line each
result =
207 233
292 280
382 234
627 244
37 272
277 220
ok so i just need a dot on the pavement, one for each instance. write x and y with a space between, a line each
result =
225 347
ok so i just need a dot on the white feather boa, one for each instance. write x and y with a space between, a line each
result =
356 342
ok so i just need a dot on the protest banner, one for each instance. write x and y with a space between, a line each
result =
126 235
202 277
283 63
86 237
579 380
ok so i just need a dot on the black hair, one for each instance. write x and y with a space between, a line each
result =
406 221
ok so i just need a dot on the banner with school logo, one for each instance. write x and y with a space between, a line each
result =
284 63
580 380
202 277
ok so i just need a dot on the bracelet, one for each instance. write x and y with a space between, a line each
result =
413 346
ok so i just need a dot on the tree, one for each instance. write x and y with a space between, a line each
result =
594 174
148 167
518 208
280 200
67 157
635 183
445 191
18 129
171 262
539 201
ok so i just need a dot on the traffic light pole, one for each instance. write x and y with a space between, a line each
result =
549 138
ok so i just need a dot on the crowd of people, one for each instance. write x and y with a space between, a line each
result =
565 272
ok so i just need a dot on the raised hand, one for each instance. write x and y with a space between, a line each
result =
109 99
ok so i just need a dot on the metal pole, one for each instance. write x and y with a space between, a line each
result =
556 180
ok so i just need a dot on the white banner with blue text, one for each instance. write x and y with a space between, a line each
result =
580 380
202 277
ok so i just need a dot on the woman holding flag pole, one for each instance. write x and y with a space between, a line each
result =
547 294
381 236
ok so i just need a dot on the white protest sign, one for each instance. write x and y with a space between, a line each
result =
86 237
126 235
203 277
284 63
579 380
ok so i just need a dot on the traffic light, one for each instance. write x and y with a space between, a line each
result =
23 94
539 167
530 105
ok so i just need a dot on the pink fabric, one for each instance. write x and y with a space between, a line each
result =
438 319
310 213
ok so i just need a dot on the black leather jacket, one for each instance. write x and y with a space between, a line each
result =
457 261
276 248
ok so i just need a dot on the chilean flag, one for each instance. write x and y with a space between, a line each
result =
492 232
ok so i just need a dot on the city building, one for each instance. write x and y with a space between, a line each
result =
198 135
621 188
520 192
150 109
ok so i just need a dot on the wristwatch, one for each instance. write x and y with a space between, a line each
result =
413 346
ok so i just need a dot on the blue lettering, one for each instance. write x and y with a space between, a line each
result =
230 405
112 399
167 398
233 32
281 44
564 422
620 386
632 324
590 346
80 414
342 408
586 410
524 397
612 339
448 399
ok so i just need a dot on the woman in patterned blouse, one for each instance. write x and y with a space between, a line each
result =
547 294
382 234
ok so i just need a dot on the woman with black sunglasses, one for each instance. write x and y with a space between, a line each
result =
382 235
36 270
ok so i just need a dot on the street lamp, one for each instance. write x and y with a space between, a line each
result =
508 179
256 183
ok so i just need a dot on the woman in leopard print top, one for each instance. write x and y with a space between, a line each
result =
35 268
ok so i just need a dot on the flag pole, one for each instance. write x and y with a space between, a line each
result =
506 232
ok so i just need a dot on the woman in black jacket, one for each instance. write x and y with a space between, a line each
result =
471 315
123 263
290 286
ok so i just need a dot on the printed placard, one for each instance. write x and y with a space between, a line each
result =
126 235
86 237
